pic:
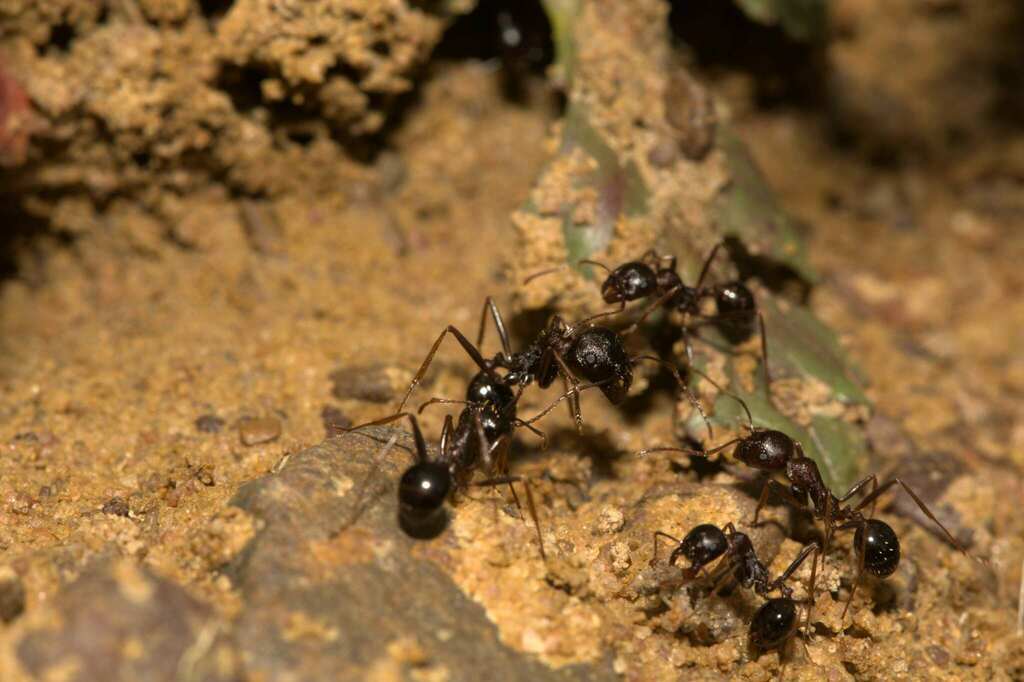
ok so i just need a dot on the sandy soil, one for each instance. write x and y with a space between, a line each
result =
181 341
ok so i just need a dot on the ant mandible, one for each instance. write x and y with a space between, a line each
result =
580 350
775 621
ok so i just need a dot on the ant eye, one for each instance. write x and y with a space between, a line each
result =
881 548
773 623
424 488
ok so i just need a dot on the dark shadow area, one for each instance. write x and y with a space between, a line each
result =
515 33
776 275
723 39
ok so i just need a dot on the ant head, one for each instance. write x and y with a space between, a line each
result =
767 450
598 355
423 489
881 547
701 546
774 623
629 282
485 388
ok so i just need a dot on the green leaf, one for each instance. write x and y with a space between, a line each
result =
803 20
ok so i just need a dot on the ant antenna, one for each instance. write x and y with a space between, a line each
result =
741 401
707 264
764 358
587 261
686 389
417 435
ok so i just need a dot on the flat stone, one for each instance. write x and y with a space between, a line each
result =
334 590
119 622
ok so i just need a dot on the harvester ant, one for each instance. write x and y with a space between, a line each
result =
875 542
775 621
479 440
574 351
655 277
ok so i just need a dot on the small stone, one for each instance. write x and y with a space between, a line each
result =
209 423
12 595
369 382
611 520
254 431
117 506
334 420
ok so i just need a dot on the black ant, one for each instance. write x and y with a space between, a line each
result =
655 276
775 621
875 542
581 350
465 446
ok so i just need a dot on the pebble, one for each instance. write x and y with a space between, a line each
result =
12 595
333 418
117 506
209 423
254 431
371 383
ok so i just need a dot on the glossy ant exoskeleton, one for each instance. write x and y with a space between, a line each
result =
875 542
775 621
478 440
584 350
655 277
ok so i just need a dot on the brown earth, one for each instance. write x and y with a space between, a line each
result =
167 341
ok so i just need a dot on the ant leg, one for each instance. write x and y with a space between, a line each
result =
782 492
531 505
870 499
537 432
574 399
693 453
417 435
470 349
651 307
810 549
654 559
682 385
357 507
707 264
565 396
499 324
860 561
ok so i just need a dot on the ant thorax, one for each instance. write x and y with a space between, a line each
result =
806 481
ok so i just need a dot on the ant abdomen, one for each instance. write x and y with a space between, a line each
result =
881 547
767 450
774 623
737 311
422 491
701 546
599 356
629 282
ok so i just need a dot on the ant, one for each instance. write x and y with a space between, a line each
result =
875 542
655 276
775 621
581 350
479 439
